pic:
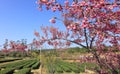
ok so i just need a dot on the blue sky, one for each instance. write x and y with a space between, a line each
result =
19 19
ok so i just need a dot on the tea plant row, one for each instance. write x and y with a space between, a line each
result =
61 67
8 60
21 67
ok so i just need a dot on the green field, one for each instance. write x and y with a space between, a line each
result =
19 67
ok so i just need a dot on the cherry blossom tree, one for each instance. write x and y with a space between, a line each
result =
10 46
17 46
92 24
5 47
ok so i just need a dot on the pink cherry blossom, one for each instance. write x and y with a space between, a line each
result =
83 25
53 21
66 3
54 9
44 1
36 33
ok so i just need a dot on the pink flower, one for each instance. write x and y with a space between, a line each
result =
68 43
53 0
82 3
66 3
74 27
68 27
44 1
102 2
83 25
54 9
111 7
52 21
36 34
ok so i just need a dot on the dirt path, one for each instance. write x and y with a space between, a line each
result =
41 70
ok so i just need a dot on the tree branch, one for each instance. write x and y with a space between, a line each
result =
85 34
76 43
91 42
69 41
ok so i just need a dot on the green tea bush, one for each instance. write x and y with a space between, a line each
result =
8 60
36 65
30 64
7 71
58 69
23 71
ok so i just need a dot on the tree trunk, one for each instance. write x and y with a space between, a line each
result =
103 64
